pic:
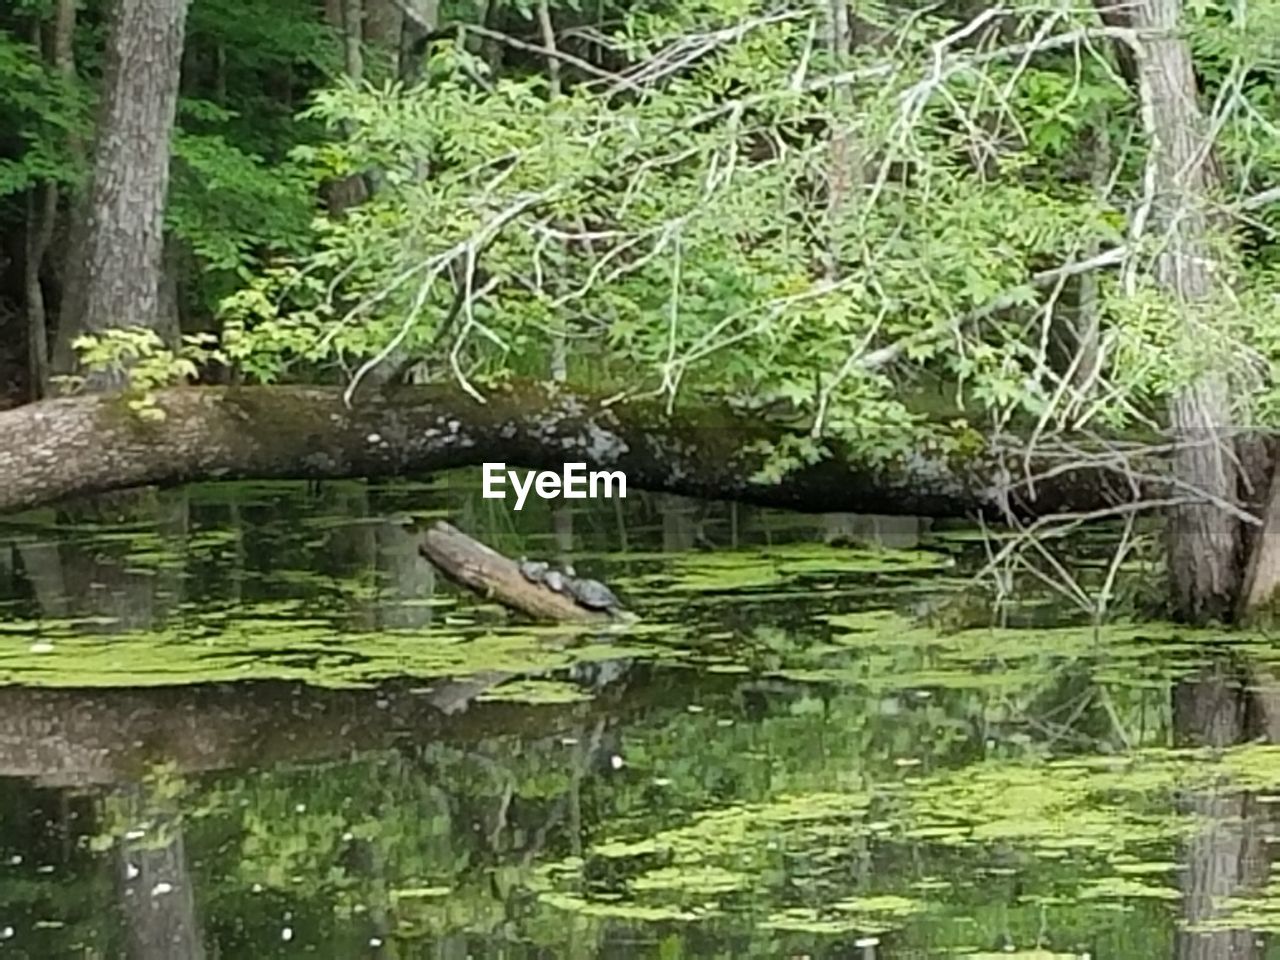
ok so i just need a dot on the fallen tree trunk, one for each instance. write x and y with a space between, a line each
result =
488 573
83 445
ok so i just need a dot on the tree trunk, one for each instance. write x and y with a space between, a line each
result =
90 444
42 209
382 24
353 38
123 235
559 346
842 173
42 214
1204 539
404 577
1262 575
353 190
413 31
220 73
1085 361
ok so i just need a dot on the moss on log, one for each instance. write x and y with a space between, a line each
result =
92 444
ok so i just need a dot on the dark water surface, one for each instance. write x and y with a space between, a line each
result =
249 722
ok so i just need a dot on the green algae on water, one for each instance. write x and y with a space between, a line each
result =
535 691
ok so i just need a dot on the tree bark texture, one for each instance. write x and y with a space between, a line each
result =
1204 540
72 446
122 240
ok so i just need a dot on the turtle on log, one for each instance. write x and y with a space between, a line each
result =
592 594
588 593
534 570
526 586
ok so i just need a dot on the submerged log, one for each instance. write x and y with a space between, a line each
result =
483 570
83 445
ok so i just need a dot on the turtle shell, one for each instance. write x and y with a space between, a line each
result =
593 594
533 570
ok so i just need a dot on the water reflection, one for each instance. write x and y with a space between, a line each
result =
156 889
1219 706
316 748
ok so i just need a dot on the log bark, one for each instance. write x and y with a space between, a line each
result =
488 573
73 446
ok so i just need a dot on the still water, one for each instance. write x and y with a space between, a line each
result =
249 722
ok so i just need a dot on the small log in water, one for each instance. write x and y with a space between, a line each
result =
488 573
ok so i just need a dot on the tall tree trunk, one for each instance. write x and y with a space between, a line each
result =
122 248
1086 360
382 24
42 210
1262 574
170 309
842 175
414 30
220 73
42 214
353 38
342 195
559 347
1204 539
405 578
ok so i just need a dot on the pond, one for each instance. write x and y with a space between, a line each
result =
248 721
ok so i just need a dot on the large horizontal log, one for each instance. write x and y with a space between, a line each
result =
75 446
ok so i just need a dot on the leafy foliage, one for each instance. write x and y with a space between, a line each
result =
39 111
716 202
763 221
140 359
